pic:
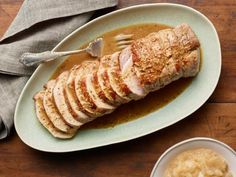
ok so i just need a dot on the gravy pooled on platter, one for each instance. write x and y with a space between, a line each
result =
134 109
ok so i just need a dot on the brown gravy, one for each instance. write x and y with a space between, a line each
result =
134 109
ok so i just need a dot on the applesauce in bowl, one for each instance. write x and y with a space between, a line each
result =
197 157
200 162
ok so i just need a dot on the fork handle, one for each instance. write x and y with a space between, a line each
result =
31 59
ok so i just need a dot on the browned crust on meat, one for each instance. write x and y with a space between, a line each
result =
148 65
186 37
152 53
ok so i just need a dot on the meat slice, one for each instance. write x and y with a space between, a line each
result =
118 82
51 110
99 91
81 114
115 80
105 85
45 121
92 88
104 82
81 89
128 74
62 103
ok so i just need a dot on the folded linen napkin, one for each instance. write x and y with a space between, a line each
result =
38 26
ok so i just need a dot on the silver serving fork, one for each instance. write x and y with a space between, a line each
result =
94 49
30 59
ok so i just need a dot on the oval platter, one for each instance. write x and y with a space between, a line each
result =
33 134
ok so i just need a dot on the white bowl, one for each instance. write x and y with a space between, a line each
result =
200 142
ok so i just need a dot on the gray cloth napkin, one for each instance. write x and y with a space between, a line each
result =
38 27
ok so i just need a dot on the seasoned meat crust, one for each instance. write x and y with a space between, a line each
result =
162 53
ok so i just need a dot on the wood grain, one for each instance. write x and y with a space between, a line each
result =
136 158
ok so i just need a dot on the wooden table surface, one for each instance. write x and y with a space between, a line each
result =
136 158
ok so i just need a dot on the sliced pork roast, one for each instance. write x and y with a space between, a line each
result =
97 87
51 109
115 77
103 79
77 108
62 103
91 103
45 121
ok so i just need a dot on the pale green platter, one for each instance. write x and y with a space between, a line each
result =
37 137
